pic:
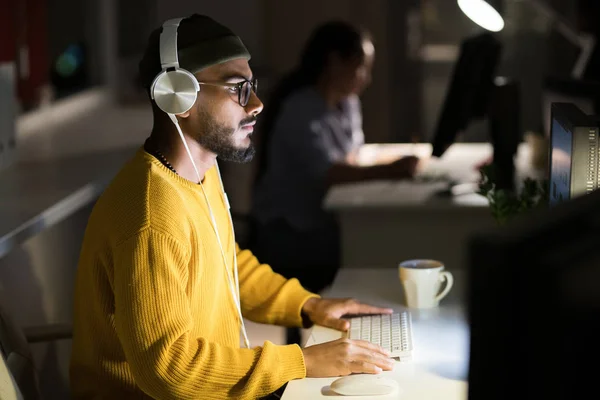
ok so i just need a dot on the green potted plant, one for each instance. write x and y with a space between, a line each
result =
506 204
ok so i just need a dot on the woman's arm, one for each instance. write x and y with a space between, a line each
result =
345 172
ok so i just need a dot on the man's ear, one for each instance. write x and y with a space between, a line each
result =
185 114
157 111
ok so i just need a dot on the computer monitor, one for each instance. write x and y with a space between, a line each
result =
573 164
584 94
469 91
534 305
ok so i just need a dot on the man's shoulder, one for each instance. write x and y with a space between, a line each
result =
137 198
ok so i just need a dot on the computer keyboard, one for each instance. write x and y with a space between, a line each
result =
393 332
432 176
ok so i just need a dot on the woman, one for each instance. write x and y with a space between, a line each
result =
312 128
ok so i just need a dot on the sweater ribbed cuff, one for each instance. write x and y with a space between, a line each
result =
292 363
295 303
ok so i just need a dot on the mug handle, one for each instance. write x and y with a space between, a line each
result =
447 276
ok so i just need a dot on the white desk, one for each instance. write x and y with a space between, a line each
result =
439 366
385 222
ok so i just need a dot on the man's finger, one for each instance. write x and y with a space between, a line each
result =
336 323
363 354
363 367
359 308
372 347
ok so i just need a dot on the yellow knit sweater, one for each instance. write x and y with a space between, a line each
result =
153 315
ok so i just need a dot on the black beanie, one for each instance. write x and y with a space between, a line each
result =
201 42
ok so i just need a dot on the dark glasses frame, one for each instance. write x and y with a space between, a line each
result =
244 88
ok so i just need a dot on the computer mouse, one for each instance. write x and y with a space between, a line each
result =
363 385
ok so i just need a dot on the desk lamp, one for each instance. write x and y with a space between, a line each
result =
489 14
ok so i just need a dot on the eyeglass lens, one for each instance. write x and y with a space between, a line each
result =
246 91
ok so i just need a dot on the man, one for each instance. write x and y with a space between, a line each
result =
156 311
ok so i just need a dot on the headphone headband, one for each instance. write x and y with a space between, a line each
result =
168 44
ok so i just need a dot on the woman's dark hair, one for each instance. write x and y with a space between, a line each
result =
337 37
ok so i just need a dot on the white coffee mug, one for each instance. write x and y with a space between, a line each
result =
422 281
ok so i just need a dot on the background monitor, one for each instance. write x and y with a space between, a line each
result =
582 93
534 305
574 154
469 91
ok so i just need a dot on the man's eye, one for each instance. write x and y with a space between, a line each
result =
234 89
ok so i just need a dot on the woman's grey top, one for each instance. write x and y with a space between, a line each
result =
308 137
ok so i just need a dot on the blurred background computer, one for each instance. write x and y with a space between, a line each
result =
573 165
475 93
469 91
582 93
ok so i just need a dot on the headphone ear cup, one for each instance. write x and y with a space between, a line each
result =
175 91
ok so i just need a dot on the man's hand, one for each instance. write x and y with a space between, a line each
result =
344 357
329 312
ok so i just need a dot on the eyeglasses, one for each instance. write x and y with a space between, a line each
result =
243 89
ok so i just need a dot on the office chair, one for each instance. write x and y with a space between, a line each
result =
9 390
20 380
19 361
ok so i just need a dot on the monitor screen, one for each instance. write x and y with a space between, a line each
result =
469 91
560 175
574 157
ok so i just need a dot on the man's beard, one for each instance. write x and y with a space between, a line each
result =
219 139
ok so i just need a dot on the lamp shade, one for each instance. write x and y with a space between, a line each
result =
485 13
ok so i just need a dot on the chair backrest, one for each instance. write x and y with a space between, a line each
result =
17 360
9 390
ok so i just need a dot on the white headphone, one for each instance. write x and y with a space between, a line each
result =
175 90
